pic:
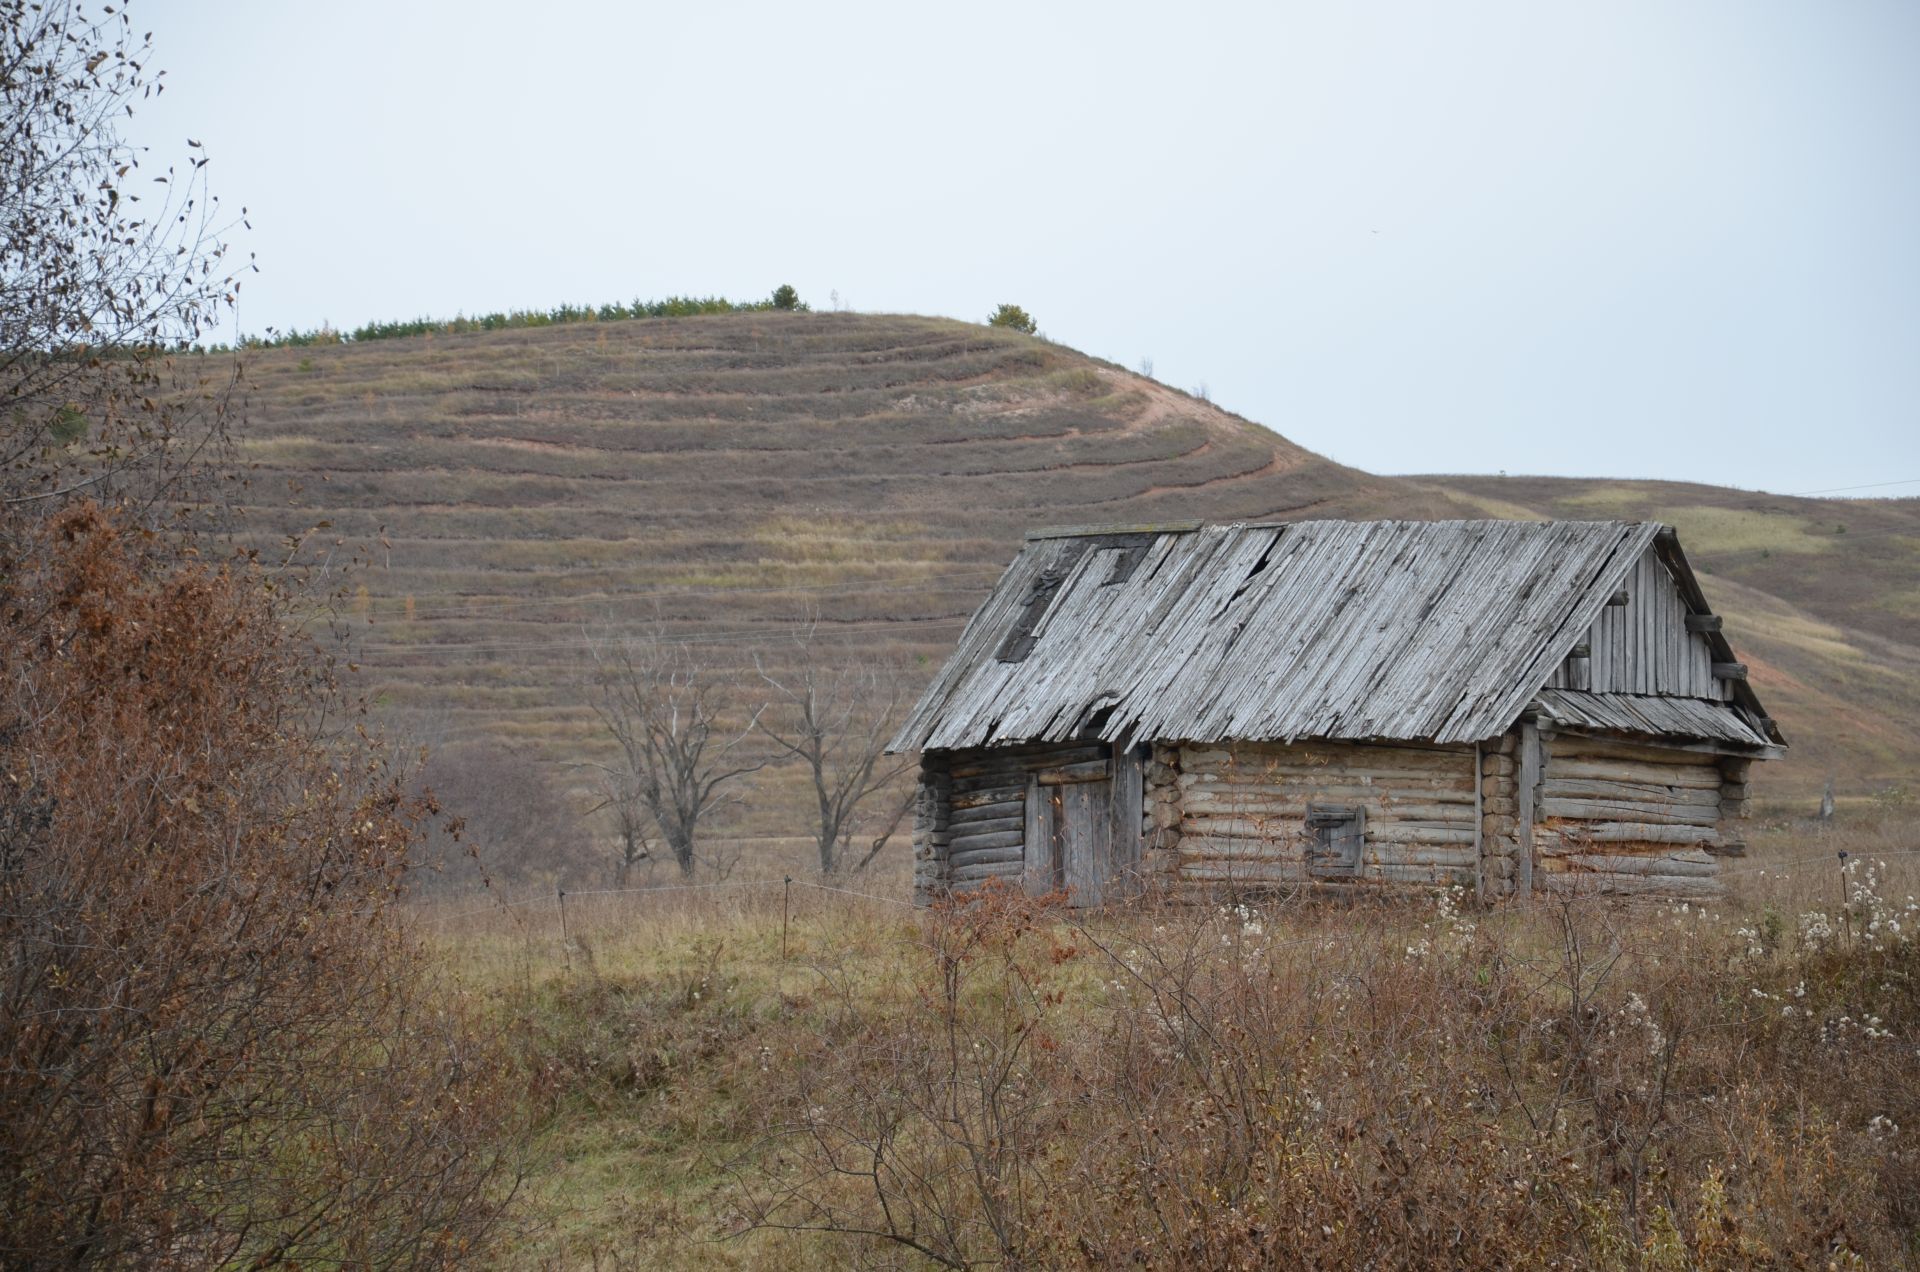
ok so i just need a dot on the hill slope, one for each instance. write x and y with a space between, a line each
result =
722 478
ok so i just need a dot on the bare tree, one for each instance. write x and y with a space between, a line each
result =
675 761
835 718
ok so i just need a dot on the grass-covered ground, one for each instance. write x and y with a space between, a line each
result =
1272 1082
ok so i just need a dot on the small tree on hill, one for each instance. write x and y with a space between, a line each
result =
1014 318
785 297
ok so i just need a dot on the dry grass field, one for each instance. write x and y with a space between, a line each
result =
712 1074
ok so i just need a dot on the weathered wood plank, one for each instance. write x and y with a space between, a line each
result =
1526 790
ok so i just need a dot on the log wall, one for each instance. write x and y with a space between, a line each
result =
970 820
1614 817
1501 865
1243 808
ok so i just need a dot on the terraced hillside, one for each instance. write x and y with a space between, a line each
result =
1822 598
721 479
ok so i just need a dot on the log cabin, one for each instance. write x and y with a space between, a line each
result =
1515 708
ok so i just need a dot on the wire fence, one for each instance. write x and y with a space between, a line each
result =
1808 863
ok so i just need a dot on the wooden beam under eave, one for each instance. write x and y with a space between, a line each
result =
1730 671
1703 622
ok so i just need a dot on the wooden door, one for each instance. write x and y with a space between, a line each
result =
1070 834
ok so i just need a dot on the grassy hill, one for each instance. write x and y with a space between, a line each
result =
720 479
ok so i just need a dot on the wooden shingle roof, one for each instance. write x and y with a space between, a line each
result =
1392 630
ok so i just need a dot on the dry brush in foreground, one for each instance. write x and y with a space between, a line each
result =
1008 1084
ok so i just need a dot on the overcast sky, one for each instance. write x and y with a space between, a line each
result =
1617 239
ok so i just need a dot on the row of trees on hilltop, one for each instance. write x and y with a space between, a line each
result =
784 299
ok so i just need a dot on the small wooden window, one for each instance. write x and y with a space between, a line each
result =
1335 833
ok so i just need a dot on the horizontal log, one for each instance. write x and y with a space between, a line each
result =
1069 774
1691 863
1494 804
1010 779
991 826
1578 747
1419 874
986 857
1377 804
1557 787
1353 759
1703 622
1396 833
1240 848
997 795
994 839
1689 776
1729 671
1498 765
989 870
1459 856
1241 871
1022 759
988 812
1291 831
1570 835
1621 810
1327 779
1583 884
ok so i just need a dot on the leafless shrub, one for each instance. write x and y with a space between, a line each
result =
1587 1083
222 1048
